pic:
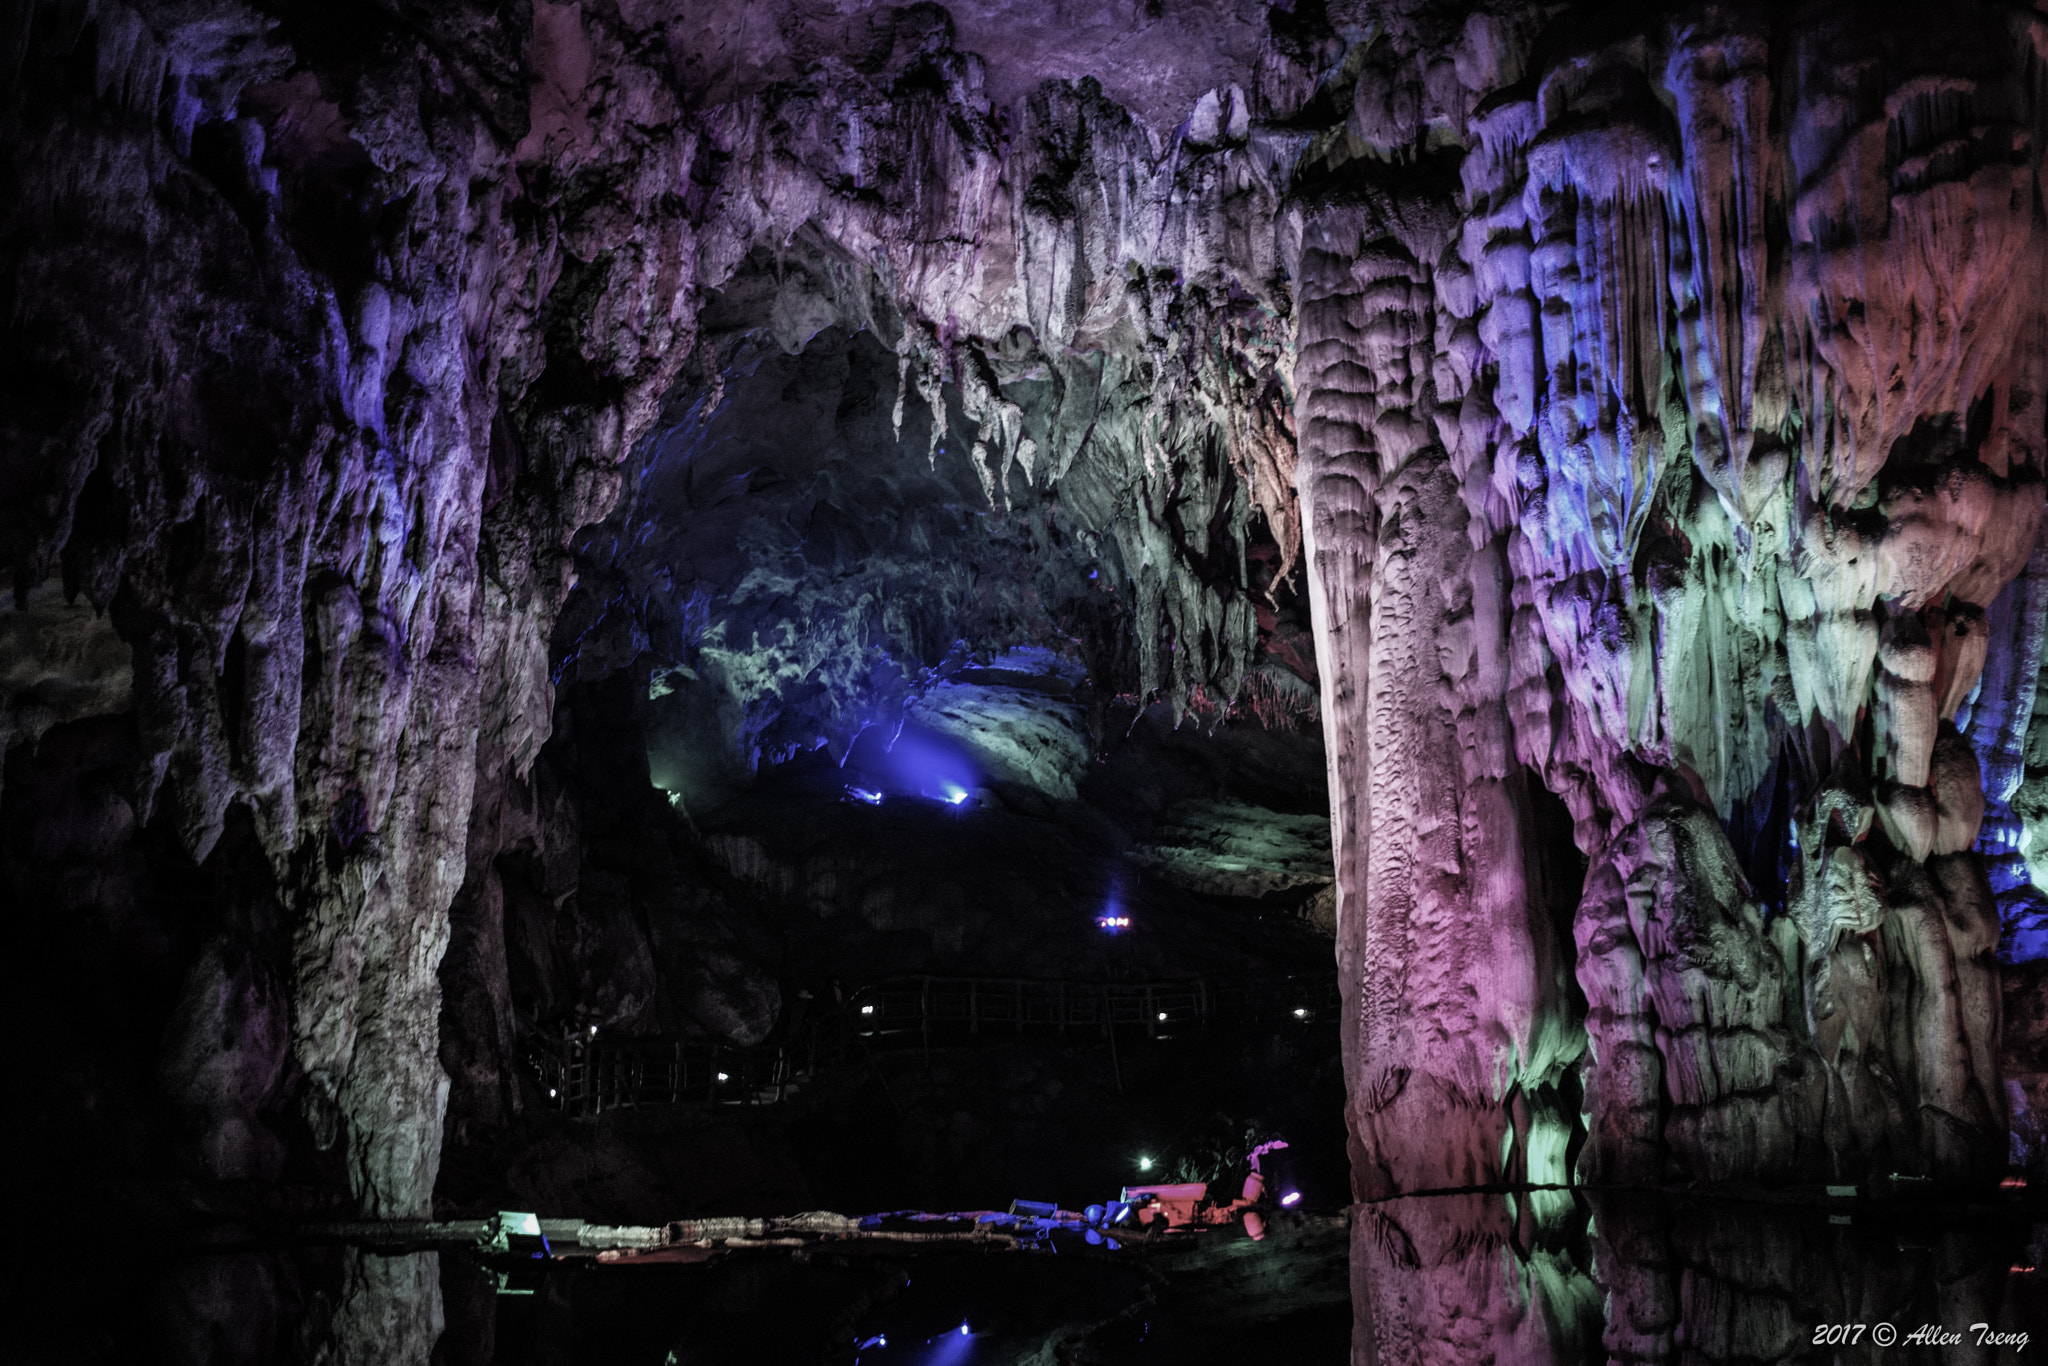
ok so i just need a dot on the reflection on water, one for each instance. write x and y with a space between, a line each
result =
129 1299
1536 1277
1555 1276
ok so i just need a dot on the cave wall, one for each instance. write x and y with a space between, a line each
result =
1668 396
328 329
268 332
1655 319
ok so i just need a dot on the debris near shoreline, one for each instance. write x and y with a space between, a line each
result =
512 1241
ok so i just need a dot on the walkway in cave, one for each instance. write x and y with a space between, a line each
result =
587 1075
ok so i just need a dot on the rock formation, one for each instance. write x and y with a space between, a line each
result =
1650 407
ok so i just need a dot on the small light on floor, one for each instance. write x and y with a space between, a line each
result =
1291 1199
723 1077
1300 1014
867 1010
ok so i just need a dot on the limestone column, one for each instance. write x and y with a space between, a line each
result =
1453 983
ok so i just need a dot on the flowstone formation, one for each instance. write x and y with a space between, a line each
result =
1650 405
1676 395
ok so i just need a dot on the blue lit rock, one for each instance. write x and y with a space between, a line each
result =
1018 737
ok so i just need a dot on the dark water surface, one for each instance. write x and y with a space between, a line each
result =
1538 1277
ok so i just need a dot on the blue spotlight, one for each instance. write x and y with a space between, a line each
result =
929 765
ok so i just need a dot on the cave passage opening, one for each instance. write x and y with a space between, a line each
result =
845 728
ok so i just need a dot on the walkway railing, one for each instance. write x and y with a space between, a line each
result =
1012 1005
1008 1005
588 1076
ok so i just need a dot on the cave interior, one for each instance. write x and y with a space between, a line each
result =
697 610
